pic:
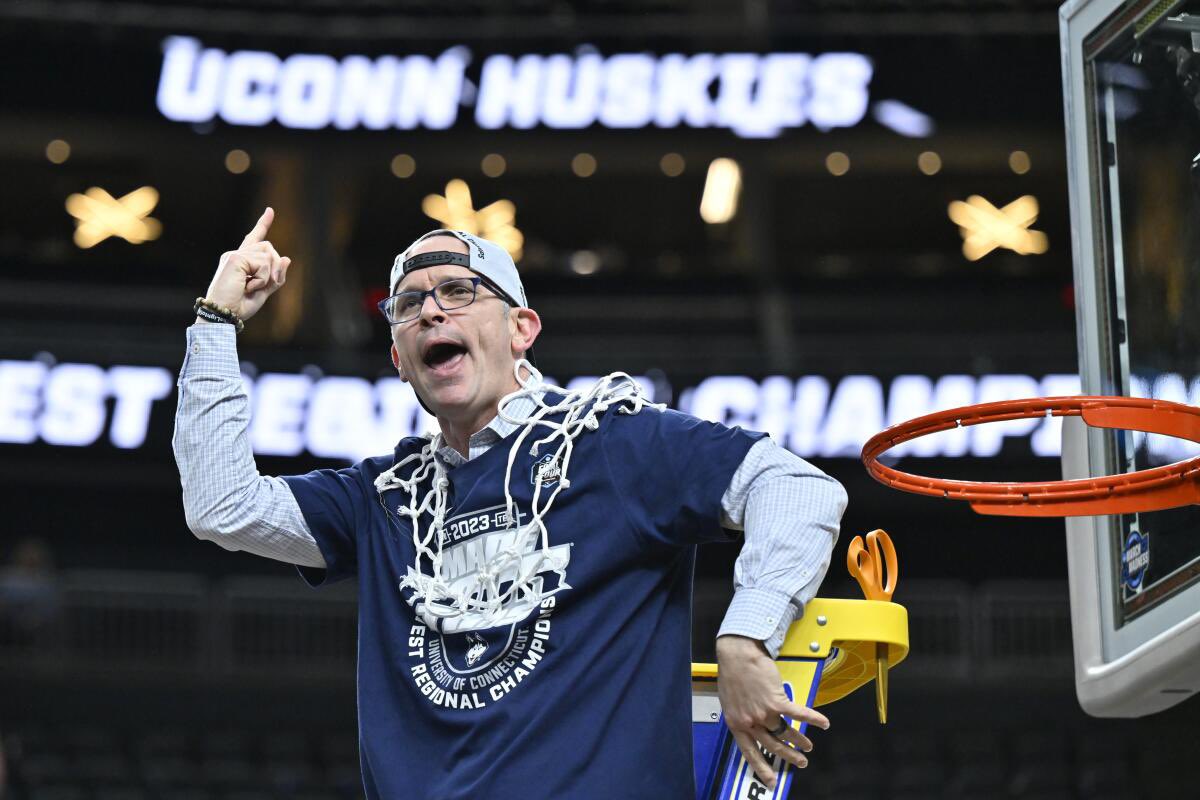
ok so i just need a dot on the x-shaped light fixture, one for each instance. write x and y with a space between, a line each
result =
98 215
985 227
495 221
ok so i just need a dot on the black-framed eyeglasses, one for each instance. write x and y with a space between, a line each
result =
449 295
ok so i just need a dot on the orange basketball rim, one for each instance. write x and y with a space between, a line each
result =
1148 490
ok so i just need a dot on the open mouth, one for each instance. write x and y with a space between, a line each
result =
444 355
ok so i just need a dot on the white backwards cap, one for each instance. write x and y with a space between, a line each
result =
485 258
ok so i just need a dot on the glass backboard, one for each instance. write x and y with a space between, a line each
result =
1131 74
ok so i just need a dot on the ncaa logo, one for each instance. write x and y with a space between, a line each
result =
1135 559
545 470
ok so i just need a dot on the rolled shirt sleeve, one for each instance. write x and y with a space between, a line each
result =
790 512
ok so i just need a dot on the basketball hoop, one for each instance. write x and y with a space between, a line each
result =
1148 490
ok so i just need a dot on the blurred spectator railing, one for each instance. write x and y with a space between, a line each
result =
128 620
283 626
185 626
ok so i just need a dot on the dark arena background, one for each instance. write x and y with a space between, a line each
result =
748 204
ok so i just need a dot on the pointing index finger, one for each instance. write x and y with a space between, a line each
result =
259 232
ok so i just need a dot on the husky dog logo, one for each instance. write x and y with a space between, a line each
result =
478 647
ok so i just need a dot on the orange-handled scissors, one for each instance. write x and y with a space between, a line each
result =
866 563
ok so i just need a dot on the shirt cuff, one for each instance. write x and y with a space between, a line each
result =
760 614
211 352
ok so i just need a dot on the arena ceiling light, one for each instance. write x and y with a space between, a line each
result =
985 227
98 215
722 188
495 221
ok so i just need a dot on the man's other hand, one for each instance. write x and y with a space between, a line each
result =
753 701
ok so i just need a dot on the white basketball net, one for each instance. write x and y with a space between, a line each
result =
485 596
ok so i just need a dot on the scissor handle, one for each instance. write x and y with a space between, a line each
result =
867 562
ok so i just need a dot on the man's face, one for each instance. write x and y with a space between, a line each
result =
459 361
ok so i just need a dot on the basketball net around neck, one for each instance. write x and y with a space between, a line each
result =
507 586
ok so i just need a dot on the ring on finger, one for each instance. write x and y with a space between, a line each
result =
777 732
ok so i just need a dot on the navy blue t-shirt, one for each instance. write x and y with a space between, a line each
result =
589 695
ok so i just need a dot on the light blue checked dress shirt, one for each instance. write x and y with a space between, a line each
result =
789 510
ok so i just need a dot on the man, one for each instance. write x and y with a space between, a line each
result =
524 575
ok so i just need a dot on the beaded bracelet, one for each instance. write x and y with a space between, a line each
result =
210 311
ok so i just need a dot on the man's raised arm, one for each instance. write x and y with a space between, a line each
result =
225 500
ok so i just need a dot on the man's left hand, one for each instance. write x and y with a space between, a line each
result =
753 700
